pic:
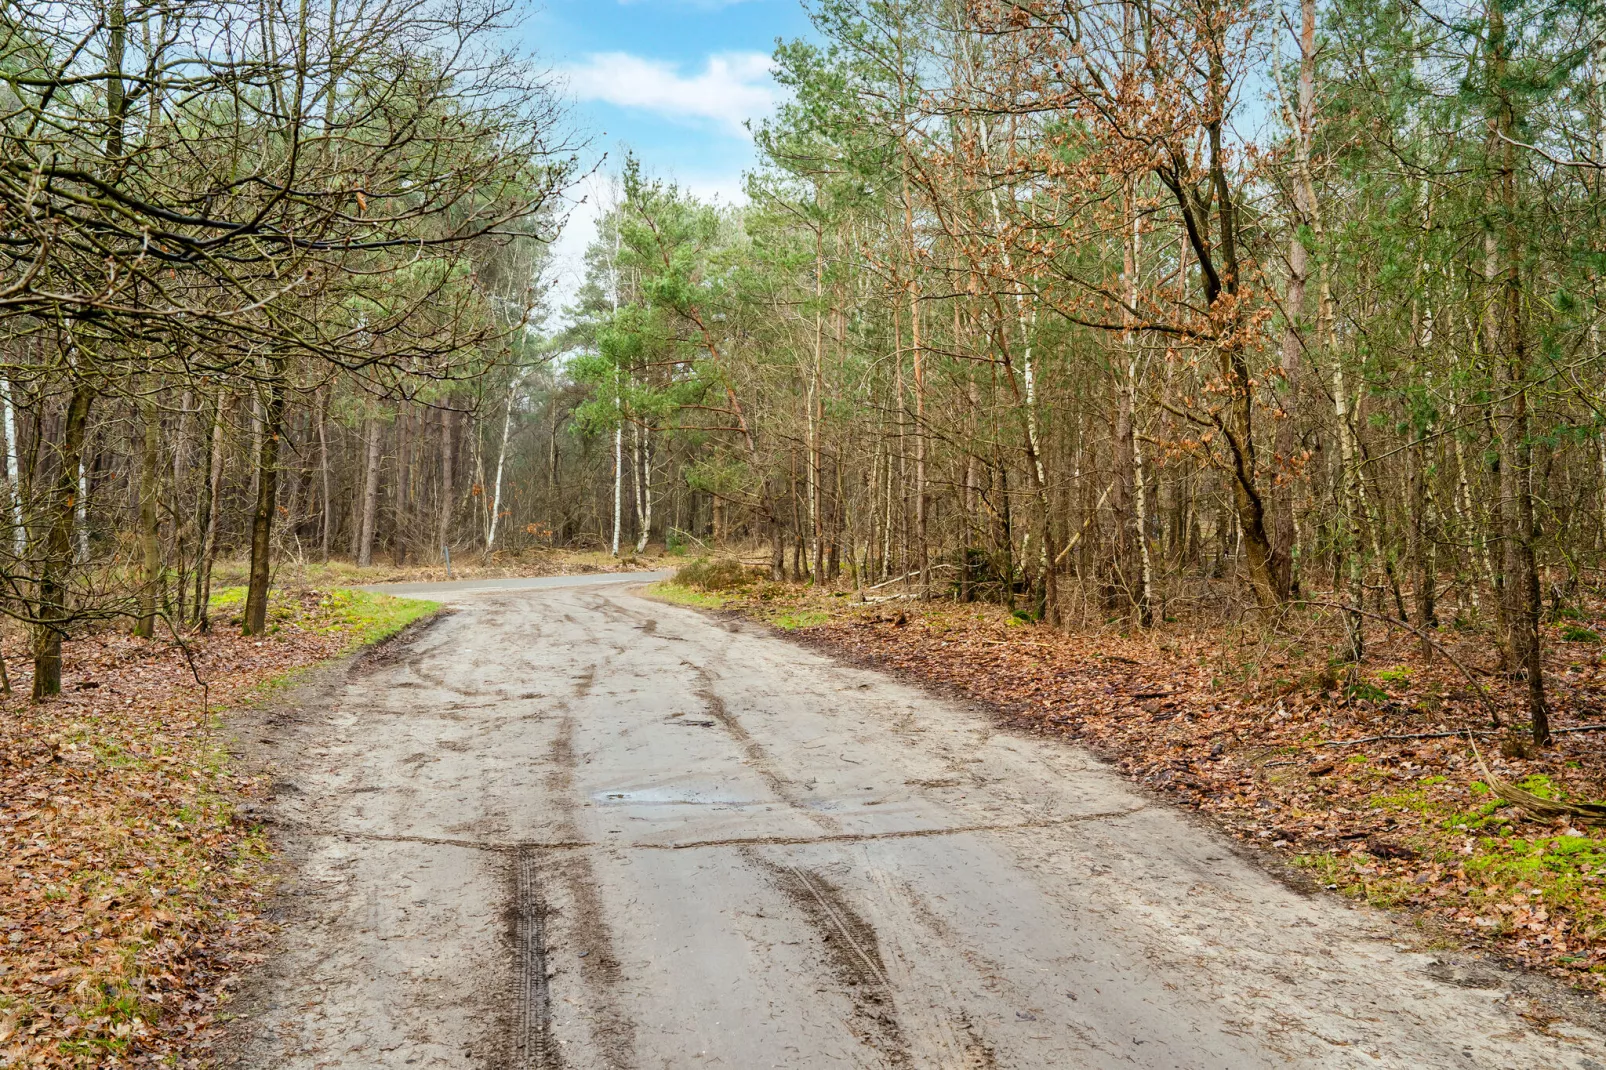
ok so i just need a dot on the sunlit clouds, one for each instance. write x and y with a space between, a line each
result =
732 87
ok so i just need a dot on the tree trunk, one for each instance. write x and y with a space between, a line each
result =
56 563
1421 541
256 443
83 511
404 470
448 469
182 531
326 528
1251 509
501 460
149 535
1133 525
922 506
618 483
815 401
8 426
644 489
1522 596
211 498
267 481
1284 442
370 495
1116 587
638 488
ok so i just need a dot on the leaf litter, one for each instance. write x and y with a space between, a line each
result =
131 879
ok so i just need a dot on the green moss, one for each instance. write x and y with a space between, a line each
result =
371 618
1542 786
112 754
806 618
1482 817
670 591
1566 871
364 616
1574 634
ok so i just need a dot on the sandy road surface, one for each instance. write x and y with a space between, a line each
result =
569 827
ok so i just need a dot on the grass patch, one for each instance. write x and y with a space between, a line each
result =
362 616
751 600
1361 691
1406 800
531 561
1501 877
670 591
1558 872
371 618
806 618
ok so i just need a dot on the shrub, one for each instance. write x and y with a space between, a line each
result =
712 574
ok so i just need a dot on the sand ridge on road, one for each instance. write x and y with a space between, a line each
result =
568 827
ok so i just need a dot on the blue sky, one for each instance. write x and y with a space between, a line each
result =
671 79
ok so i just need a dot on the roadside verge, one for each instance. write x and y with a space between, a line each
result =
130 876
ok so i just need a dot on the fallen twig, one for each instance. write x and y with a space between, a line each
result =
1409 735
1459 732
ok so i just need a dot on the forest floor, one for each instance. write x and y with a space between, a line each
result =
1365 783
129 876
538 561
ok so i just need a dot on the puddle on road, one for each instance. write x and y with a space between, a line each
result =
669 797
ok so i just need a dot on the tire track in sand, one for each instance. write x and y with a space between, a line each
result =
534 1047
852 953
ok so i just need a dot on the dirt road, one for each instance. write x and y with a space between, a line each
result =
570 827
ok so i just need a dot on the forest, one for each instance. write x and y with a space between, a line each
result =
1125 407
1191 311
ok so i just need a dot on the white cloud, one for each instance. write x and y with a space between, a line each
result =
731 88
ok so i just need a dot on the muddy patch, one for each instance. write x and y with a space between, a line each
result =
756 757
439 681
560 766
389 652
852 951
582 685
978 1053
